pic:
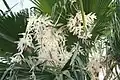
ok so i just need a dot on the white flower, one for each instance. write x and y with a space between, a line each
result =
96 60
90 18
49 42
3 60
75 25
94 66
52 46
16 59
72 1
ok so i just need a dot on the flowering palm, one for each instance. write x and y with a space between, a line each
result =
67 40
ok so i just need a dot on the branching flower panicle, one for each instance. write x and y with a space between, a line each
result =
75 25
96 61
47 42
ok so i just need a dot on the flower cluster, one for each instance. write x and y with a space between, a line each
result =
75 25
96 63
47 42
95 67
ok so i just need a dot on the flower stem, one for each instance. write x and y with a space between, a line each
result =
83 14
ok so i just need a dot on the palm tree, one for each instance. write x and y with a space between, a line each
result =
63 40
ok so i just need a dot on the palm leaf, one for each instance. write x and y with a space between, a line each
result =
10 27
44 5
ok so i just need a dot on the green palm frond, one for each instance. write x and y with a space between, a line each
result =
45 6
10 27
